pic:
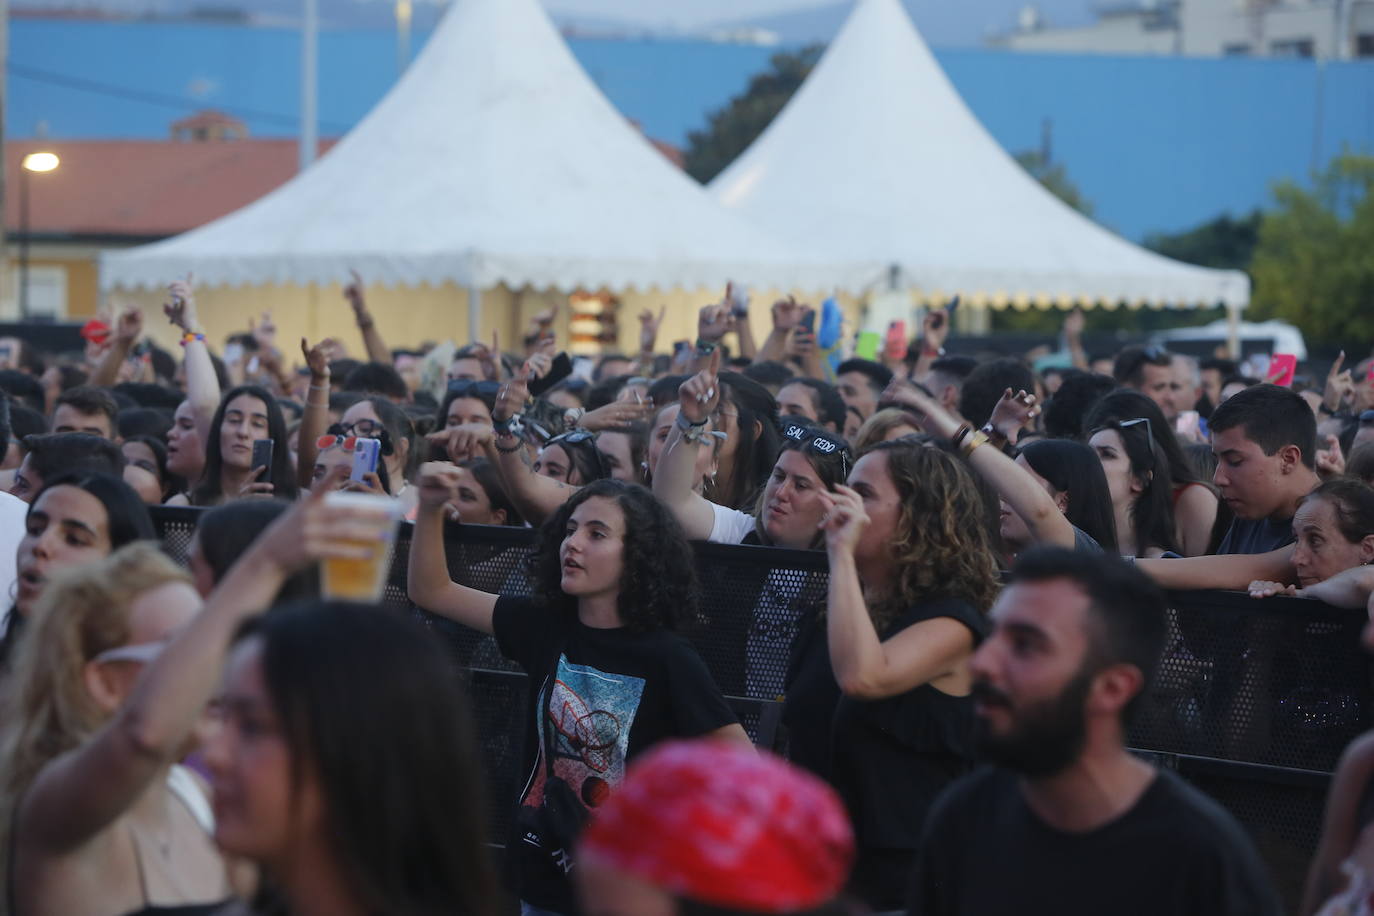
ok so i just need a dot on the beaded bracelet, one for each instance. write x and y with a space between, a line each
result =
189 336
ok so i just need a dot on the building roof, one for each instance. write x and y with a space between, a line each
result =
494 160
877 154
143 189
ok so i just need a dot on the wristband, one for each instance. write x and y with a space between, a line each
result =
704 347
506 427
974 441
957 439
993 433
687 425
511 450
189 336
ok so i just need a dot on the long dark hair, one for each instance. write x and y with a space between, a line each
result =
1152 513
757 453
489 479
1072 467
1125 404
399 428
280 475
226 532
127 520
831 466
658 585
406 819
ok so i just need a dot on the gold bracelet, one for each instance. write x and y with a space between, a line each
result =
973 442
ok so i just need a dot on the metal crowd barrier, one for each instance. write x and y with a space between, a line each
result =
1254 702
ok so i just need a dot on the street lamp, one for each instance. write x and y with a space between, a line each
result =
33 162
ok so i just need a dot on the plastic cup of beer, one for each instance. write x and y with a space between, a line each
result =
362 580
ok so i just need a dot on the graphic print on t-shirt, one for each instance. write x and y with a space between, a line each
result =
590 714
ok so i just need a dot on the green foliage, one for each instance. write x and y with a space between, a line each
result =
1055 180
731 129
1314 265
1224 242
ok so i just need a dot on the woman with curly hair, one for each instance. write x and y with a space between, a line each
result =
911 580
613 578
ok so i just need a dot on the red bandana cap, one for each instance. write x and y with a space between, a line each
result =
720 824
95 331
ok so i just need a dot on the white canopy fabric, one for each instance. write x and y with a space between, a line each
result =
493 160
877 156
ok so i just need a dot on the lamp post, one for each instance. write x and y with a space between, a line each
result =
33 162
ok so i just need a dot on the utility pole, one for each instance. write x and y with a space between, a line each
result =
310 29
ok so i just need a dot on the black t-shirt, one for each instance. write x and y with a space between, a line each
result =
892 757
986 853
615 693
1256 536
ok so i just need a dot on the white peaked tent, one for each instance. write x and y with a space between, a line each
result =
878 157
494 160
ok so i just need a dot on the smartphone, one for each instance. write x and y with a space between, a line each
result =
262 454
1186 425
894 347
737 295
1282 368
233 353
6 351
679 346
365 454
808 321
953 305
562 368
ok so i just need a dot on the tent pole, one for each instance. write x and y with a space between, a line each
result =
1233 330
474 312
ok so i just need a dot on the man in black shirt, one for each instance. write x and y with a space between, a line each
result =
1265 440
1070 822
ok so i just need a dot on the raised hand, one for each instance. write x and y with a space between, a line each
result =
1074 323
648 328
540 363
699 395
460 443
1340 387
181 310
1013 413
317 357
844 519
264 331
1330 460
256 487
617 415
312 530
511 398
129 326
438 487
353 292
935 329
714 322
932 417
787 313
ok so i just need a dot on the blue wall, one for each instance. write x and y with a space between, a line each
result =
1156 144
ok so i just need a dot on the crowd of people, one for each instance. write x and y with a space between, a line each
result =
999 533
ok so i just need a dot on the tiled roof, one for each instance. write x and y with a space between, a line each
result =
143 188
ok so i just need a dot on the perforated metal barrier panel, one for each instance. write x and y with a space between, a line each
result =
1254 701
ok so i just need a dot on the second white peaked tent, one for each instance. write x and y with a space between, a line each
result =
878 157
494 161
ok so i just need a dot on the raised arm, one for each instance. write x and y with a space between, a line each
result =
934 333
427 579
202 385
1232 571
315 417
1073 338
744 332
866 666
1025 495
128 328
83 791
377 350
676 470
787 314
536 497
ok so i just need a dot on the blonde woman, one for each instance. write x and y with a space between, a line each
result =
108 686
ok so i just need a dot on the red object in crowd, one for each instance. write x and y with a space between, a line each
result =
720 824
95 331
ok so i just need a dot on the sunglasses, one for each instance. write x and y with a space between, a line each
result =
363 429
572 437
818 441
471 388
1149 432
143 653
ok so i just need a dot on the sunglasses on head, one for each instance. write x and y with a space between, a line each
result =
363 429
1149 432
818 441
572 437
473 388
347 443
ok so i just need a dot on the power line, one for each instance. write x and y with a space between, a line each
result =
154 98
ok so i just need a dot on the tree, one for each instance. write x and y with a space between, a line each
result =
1054 178
1224 242
731 129
1314 265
